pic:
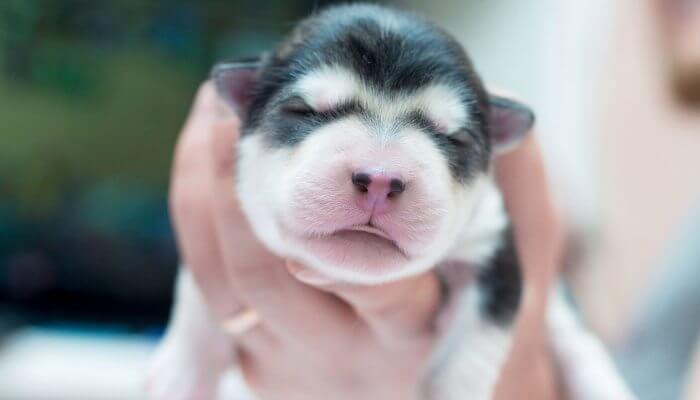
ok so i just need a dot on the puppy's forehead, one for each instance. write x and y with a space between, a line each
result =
380 57
330 86
394 68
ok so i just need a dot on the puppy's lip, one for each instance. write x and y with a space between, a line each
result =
352 232
373 230
370 229
351 251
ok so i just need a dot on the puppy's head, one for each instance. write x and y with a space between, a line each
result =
366 144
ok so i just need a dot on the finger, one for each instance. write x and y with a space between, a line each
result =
286 306
522 179
531 210
247 332
399 312
191 208
191 203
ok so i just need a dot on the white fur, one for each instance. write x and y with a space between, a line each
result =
194 353
266 193
481 235
328 86
443 105
589 372
470 357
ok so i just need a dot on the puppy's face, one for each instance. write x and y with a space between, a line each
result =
365 148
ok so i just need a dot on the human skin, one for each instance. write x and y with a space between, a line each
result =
318 336
680 22
680 28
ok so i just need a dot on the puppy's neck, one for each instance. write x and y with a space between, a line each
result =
485 230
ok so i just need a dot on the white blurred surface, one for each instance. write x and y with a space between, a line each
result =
40 364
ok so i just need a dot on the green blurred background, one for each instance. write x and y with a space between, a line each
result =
92 95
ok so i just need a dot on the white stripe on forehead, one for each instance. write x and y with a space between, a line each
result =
329 86
444 106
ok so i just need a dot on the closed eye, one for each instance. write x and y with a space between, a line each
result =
463 135
422 121
297 107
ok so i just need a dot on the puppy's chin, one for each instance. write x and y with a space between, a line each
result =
360 256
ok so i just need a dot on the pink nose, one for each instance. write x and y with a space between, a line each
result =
377 190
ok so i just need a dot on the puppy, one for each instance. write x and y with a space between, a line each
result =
365 153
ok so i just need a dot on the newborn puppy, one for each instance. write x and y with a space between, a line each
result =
365 153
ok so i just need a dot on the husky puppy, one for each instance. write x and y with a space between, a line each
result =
365 153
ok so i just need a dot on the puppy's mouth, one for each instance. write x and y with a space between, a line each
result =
369 235
372 230
364 252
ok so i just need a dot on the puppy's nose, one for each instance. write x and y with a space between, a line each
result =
377 189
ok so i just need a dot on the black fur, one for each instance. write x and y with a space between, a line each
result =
500 284
408 55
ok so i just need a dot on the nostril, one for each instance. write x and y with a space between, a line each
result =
396 186
361 181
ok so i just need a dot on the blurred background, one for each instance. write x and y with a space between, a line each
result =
93 93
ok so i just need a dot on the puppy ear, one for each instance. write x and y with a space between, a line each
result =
509 122
235 82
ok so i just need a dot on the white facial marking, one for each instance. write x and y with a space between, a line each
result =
444 106
328 86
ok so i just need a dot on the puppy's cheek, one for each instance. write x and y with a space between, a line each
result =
431 205
260 185
418 220
317 197
318 202
321 194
